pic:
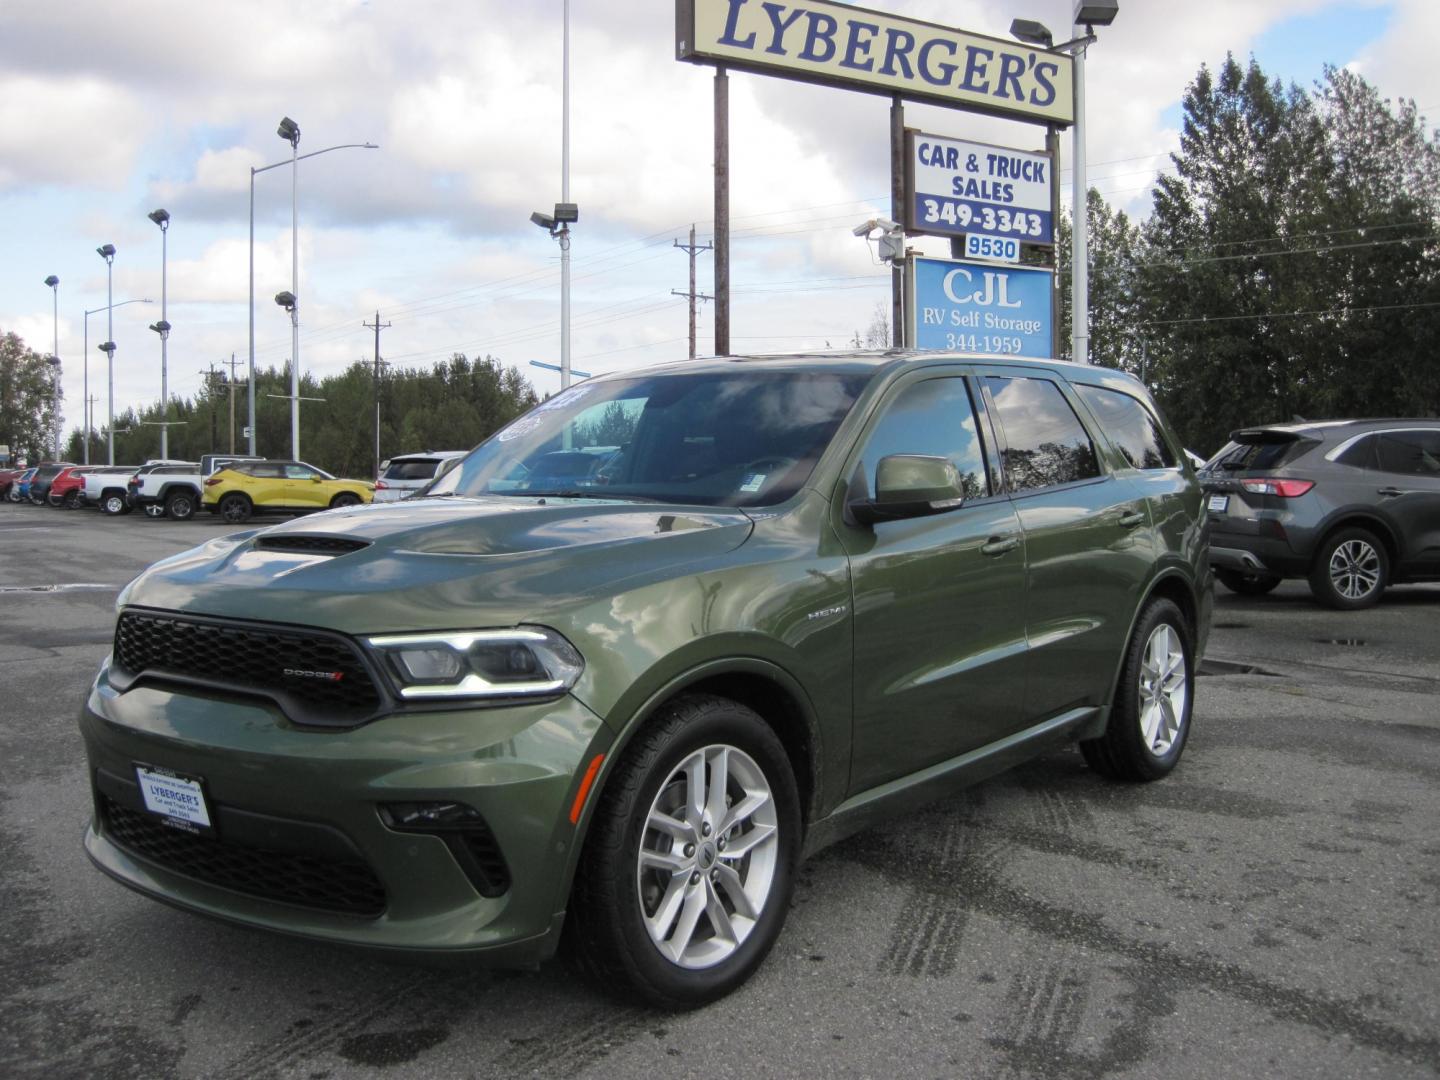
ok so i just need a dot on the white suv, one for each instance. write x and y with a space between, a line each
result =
402 476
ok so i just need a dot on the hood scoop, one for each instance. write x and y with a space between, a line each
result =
310 545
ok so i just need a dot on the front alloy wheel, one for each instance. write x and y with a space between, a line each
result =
707 860
689 862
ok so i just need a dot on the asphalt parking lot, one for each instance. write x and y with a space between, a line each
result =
1268 910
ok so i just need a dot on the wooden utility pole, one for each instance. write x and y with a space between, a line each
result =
233 364
377 326
692 248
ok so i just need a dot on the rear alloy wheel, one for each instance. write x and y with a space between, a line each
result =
235 509
1246 584
1150 720
180 506
345 498
155 511
688 868
72 500
1350 571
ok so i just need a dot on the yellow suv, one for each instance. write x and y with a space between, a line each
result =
285 487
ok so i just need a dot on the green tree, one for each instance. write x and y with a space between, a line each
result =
27 400
1113 248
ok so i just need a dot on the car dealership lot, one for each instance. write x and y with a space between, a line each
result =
1268 909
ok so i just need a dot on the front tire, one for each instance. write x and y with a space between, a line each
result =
1350 571
113 503
687 872
235 509
1150 719
180 506
1246 584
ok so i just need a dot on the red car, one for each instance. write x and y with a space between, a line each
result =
7 478
66 488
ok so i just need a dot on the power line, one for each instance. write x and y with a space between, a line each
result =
1286 314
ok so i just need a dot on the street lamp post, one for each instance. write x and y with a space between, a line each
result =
54 283
107 252
162 218
290 132
1090 14
295 318
85 352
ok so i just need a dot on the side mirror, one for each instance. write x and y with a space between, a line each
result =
315 479
910 486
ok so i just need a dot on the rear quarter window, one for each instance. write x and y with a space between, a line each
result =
414 469
1261 456
1130 426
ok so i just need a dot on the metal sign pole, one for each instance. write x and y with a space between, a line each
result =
722 212
897 213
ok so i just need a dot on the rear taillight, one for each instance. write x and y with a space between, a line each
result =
1286 489
380 485
211 481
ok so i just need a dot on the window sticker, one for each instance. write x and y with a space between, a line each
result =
564 398
754 482
523 426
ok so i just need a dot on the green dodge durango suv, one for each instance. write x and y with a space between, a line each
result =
607 680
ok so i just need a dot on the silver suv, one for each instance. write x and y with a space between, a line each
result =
405 474
1352 505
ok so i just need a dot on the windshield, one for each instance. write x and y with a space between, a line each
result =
728 439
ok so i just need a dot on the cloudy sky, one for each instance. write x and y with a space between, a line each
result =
108 111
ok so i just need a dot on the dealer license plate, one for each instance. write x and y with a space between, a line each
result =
179 800
1218 503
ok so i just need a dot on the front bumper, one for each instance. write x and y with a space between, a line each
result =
291 803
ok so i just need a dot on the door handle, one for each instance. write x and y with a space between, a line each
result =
1390 491
1132 519
999 545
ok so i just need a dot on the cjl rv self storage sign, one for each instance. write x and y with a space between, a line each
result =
960 188
978 307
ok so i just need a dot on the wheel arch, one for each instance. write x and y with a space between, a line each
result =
760 685
1360 519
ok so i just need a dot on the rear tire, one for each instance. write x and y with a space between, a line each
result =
235 509
113 503
1150 719
345 498
1246 584
1350 571
681 912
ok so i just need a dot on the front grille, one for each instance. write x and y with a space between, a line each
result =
251 657
310 545
349 888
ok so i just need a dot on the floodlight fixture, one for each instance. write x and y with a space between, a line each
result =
106 251
286 300
52 281
1092 13
289 131
1032 32
161 327
545 221
106 347
160 217
567 213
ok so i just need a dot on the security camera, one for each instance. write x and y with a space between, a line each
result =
864 228
886 224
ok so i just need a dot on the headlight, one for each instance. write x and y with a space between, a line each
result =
522 662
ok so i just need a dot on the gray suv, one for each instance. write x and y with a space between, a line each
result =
1352 505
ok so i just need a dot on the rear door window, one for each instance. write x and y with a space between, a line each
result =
1131 427
1045 442
1409 453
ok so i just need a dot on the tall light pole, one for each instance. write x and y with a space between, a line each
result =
85 352
290 132
566 213
107 252
295 387
54 283
162 218
1090 14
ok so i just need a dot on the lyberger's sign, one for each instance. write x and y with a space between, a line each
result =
819 41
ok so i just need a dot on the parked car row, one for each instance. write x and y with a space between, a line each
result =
234 488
